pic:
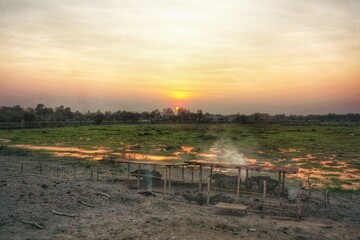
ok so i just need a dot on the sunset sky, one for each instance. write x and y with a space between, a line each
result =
274 56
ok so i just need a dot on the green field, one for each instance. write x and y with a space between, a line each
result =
331 150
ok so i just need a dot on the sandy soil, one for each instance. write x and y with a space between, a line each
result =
130 215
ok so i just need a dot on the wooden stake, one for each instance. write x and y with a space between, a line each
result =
309 184
40 168
280 183
182 173
138 178
211 170
325 198
263 200
113 175
247 173
280 207
165 177
283 183
169 177
200 178
57 168
91 173
128 171
208 191
192 175
97 174
298 206
238 183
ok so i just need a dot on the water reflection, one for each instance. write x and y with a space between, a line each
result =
323 170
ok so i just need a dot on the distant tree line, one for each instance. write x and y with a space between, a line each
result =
41 113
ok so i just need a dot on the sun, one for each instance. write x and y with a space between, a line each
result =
177 108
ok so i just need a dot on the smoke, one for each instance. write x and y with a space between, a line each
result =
233 156
148 181
292 193
228 153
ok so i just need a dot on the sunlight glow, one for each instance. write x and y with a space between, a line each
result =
181 95
248 56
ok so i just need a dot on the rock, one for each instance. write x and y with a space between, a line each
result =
252 229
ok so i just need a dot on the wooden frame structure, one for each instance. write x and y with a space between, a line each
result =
167 165
282 171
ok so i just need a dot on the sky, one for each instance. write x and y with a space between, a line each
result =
233 56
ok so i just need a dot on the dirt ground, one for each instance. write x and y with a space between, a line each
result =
130 215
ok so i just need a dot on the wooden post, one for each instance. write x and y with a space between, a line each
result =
211 170
238 183
328 198
280 207
208 191
169 172
309 184
280 183
165 177
40 168
57 168
192 175
247 173
263 200
283 183
182 173
113 174
200 178
325 198
91 173
138 178
298 205
97 173
128 172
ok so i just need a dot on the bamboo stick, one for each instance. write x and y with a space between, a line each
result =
32 223
102 194
208 191
86 204
200 178
63 214
238 183
263 200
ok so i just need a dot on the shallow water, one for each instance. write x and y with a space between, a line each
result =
327 171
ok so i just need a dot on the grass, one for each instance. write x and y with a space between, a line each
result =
262 141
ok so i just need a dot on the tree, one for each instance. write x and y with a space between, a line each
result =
199 115
155 114
183 114
99 117
168 114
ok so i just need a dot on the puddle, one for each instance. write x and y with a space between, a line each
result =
289 150
140 156
63 149
187 149
328 170
80 155
207 155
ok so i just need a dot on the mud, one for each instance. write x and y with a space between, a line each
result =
180 214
